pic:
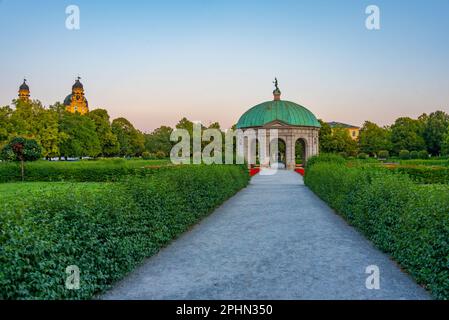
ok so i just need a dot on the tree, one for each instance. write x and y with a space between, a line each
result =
159 140
131 140
325 137
30 119
21 149
445 145
407 134
341 141
436 128
373 138
336 140
5 124
108 140
81 137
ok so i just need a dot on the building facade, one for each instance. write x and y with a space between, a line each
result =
353 131
76 101
24 91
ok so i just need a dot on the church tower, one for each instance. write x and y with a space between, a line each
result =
76 101
24 91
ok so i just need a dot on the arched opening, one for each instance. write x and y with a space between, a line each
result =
278 153
300 152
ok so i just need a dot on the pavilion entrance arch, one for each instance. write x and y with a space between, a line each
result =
278 153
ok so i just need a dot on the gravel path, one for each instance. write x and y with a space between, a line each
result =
273 240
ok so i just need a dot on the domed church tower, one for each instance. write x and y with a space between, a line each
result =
24 91
76 101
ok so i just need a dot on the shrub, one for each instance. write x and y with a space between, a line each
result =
423 154
325 157
414 155
21 150
146 155
79 171
425 174
105 233
383 154
160 155
404 219
404 154
362 156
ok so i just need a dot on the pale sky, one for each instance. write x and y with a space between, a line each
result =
154 62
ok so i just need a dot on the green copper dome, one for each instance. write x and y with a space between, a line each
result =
281 110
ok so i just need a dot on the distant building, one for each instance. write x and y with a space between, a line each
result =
352 130
76 101
24 91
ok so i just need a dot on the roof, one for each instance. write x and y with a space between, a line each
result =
335 124
68 100
77 84
24 86
285 111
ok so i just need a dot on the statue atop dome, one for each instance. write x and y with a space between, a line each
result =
276 92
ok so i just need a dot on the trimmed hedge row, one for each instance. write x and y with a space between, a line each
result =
406 220
106 233
79 171
424 174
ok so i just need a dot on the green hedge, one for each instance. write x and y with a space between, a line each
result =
105 233
78 171
424 174
429 162
408 221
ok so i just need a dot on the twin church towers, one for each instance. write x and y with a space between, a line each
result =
74 102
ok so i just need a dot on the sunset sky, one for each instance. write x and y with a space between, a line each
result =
154 62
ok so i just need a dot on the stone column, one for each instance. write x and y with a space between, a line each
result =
289 153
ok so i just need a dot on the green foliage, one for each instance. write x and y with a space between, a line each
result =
336 140
373 138
444 145
414 154
146 155
408 221
81 171
131 140
425 174
105 233
423 154
362 156
383 154
160 155
30 119
428 162
435 131
404 154
21 149
81 136
325 157
159 140
108 140
407 134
